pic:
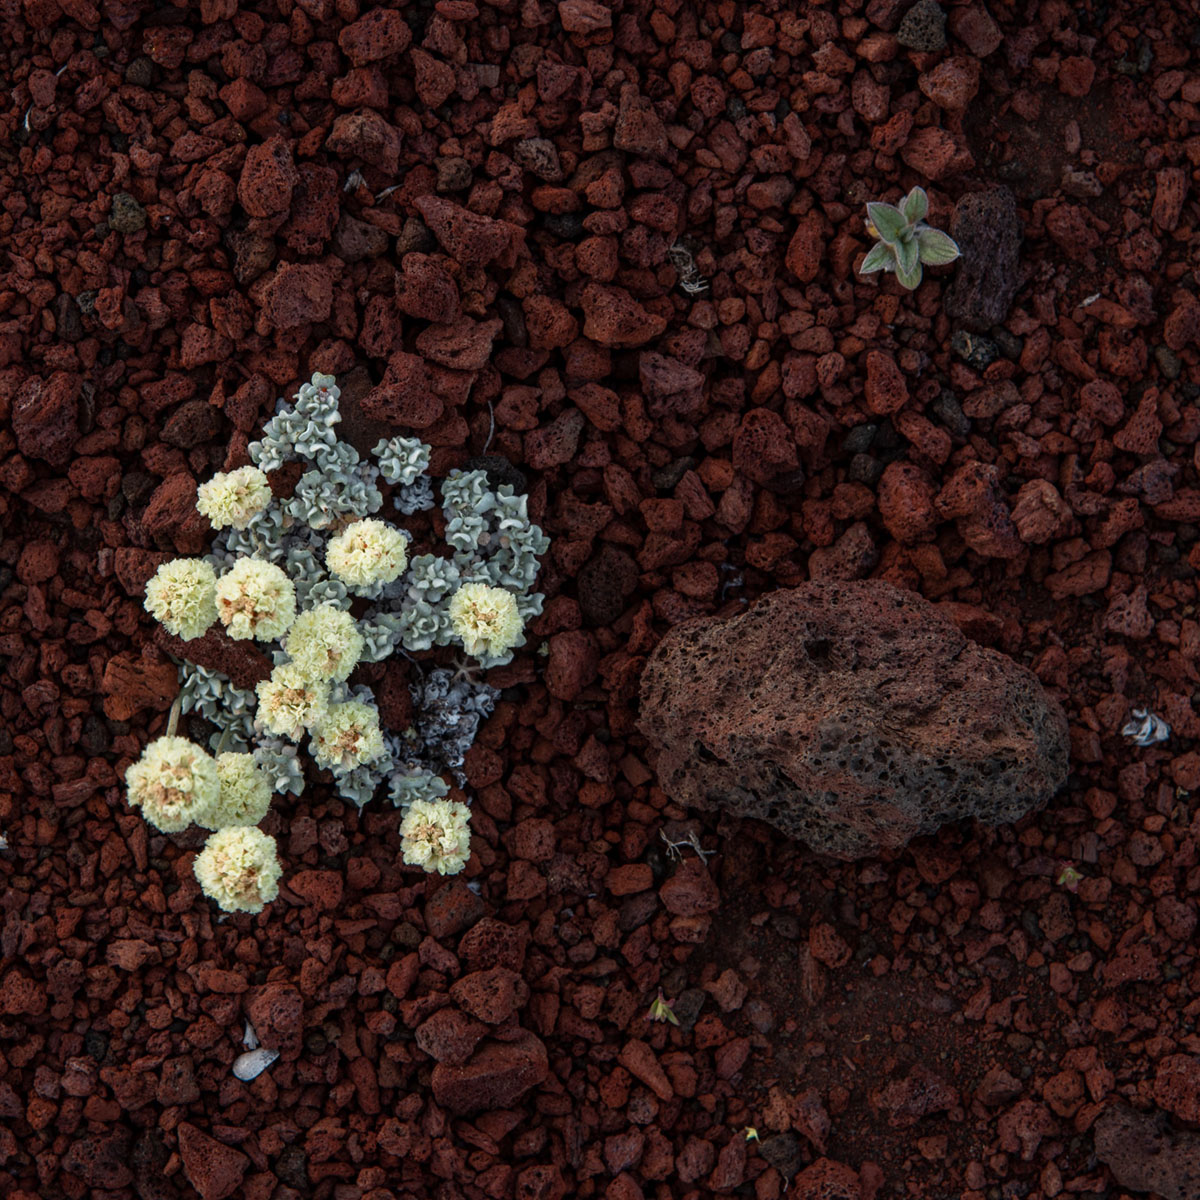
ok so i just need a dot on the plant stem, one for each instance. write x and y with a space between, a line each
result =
173 718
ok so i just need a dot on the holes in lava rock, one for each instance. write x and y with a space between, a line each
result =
819 651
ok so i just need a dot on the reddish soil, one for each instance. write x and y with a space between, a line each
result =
201 205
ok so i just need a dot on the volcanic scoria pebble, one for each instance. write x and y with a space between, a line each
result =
276 1012
213 1169
45 417
923 27
497 1075
853 716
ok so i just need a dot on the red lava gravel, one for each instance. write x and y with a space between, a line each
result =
478 210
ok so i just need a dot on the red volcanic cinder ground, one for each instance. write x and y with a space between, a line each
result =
200 205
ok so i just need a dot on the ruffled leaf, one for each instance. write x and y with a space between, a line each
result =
936 249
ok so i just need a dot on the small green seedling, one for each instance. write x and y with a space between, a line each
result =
1069 877
751 1134
905 241
660 1010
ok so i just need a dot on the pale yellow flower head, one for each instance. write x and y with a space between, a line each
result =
245 793
239 869
174 783
324 643
436 835
255 599
234 497
487 620
368 552
182 597
290 702
348 737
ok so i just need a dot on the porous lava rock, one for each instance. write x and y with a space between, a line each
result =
853 716
923 28
213 1169
827 1180
1145 1155
496 1076
987 228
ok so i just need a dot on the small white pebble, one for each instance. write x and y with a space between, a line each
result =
253 1063
1145 729
250 1038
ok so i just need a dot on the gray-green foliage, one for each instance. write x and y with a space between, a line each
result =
279 759
905 241
220 701
492 541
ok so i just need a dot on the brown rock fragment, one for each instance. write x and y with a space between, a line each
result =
613 317
45 417
276 1011
1040 513
496 1076
213 1169
1177 1086
378 34
132 685
268 178
469 238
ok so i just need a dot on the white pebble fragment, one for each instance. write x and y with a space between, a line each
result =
253 1063
1146 728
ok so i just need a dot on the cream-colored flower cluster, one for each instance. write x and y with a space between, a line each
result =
182 597
436 835
366 553
324 643
487 619
348 736
256 599
290 702
174 783
234 497
245 792
239 869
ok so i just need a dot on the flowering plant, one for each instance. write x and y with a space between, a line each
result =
326 585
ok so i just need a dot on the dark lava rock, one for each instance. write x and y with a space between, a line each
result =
499 471
923 28
974 349
191 424
988 232
605 583
1146 1155
100 1161
784 1151
851 715
126 215
355 240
